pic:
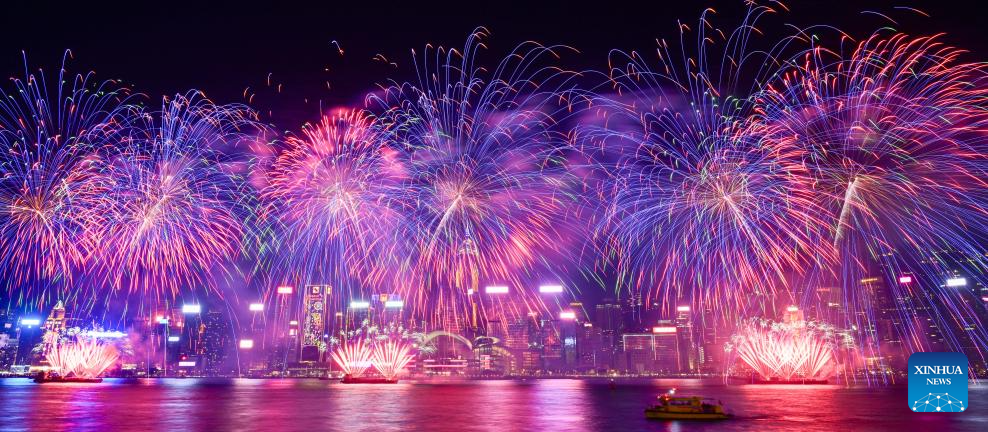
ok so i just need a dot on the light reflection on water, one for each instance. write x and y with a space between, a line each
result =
246 404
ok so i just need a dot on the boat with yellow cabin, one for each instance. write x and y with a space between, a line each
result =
671 407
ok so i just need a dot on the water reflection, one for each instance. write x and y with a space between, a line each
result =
571 405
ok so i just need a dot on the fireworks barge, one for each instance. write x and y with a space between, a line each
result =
49 378
348 379
796 381
671 407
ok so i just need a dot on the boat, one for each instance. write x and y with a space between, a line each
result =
777 380
348 379
671 407
49 378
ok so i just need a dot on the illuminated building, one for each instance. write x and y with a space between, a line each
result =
56 324
8 340
516 342
793 314
608 325
445 366
314 327
29 334
653 353
490 361
531 362
633 312
585 347
551 341
688 345
8 351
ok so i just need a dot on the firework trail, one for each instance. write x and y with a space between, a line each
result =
391 357
172 211
485 192
894 136
84 358
354 357
46 136
702 203
328 194
785 351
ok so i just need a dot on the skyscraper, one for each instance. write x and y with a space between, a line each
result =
314 326
8 340
688 344
608 326
55 325
217 343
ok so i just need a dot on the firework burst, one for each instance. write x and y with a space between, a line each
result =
391 357
485 191
354 357
83 358
894 135
702 204
172 211
45 173
789 351
328 195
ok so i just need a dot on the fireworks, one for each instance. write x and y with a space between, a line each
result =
391 357
715 176
702 202
45 173
171 210
894 136
388 357
328 195
785 351
84 358
354 357
485 191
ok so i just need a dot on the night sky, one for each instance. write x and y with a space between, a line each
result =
163 48
222 48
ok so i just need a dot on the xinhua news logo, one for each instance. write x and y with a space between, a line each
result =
938 382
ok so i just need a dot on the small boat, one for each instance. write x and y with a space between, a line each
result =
49 378
348 379
671 407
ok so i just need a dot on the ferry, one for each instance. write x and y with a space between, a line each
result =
348 379
671 407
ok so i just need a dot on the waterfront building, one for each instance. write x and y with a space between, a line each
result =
216 344
656 352
687 341
314 326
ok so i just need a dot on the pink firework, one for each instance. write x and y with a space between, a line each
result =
485 195
172 211
894 136
327 200
84 358
786 351
354 358
391 357
700 202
